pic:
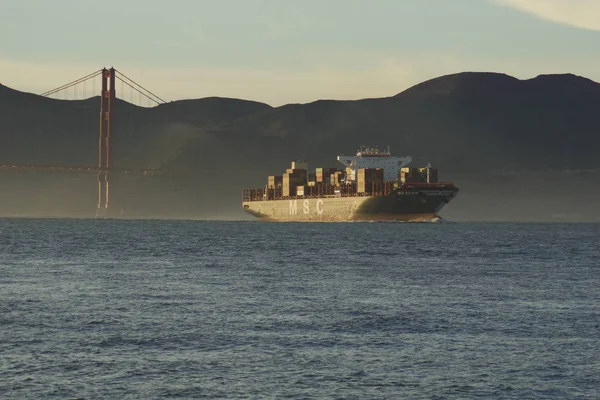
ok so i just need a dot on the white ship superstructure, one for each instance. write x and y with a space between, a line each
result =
372 157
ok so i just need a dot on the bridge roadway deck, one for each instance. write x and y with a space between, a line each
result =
78 169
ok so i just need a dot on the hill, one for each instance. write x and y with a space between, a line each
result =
468 123
40 130
463 122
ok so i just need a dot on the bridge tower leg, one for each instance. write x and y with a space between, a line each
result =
107 97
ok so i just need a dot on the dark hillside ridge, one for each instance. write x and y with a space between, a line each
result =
466 123
461 122
39 130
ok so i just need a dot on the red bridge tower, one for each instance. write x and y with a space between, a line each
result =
107 98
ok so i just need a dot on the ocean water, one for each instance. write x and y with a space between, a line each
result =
93 309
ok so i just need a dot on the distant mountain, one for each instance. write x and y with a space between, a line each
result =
39 130
466 123
462 122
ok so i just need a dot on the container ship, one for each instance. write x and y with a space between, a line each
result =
373 186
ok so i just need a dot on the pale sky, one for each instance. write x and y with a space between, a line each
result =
292 51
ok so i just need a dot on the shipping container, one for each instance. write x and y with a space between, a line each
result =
275 180
408 174
298 177
326 171
288 190
336 177
299 164
370 174
369 180
432 175
296 171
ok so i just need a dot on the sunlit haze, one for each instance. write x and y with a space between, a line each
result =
283 52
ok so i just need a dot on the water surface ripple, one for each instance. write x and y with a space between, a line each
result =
155 309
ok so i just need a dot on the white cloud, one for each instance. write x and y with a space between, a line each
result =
580 13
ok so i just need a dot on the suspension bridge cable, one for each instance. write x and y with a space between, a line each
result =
147 92
75 82
140 86
70 84
139 91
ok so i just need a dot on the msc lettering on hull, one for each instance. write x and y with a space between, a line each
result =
306 207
